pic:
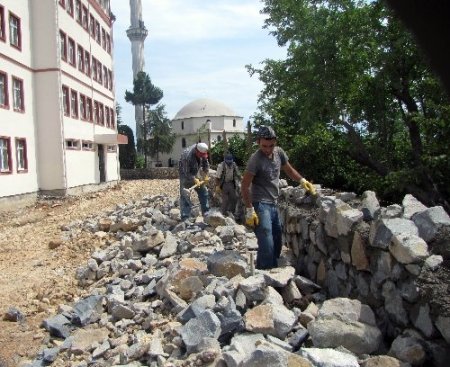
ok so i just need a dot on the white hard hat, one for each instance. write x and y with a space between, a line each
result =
202 147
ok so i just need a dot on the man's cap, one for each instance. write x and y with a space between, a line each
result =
266 132
228 157
202 149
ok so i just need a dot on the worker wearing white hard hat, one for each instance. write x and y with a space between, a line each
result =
193 170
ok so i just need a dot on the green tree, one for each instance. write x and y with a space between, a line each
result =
144 94
127 152
355 80
236 146
162 137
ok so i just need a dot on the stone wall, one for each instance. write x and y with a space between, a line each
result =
395 258
149 173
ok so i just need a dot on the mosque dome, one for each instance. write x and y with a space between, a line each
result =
204 107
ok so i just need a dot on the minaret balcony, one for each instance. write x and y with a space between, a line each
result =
137 34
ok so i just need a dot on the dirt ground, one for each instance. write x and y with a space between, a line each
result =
38 268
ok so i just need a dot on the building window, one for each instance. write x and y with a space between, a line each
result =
5 155
2 24
74 103
15 34
101 119
104 38
107 118
63 45
87 63
80 58
69 7
112 115
62 3
234 122
219 138
66 100
110 80
182 125
82 107
87 145
183 142
21 155
78 12
88 109
94 68
71 52
105 77
97 32
92 25
84 18
4 102
18 104
99 72
96 119
108 43
72 144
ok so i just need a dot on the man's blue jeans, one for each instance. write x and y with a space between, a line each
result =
268 233
185 201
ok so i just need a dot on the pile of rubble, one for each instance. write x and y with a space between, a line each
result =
171 293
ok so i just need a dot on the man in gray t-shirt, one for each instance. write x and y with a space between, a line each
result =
260 191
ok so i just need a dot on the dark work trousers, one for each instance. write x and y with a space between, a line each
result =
229 198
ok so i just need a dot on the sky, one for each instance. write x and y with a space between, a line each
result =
195 49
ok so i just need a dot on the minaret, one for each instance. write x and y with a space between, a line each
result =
137 34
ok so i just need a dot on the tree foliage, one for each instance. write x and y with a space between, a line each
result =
237 146
356 93
144 94
162 138
127 152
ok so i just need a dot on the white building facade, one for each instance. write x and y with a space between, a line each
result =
204 120
58 130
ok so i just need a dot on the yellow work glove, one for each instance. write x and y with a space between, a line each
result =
308 186
197 182
251 218
205 180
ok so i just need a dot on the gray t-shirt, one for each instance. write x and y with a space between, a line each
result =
265 184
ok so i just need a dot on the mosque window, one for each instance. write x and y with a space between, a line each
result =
234 122
182 125
183 143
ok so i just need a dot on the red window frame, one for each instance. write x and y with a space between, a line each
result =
89 115
113 118
23 169
74 103
85 18
7 139
87 63
66 100
12 16
5 105
21 107
82 107
80 58
63 45
92 25
69 7
71 52
2 24
78 11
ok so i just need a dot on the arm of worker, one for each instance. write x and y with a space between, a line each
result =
245 189
294 175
